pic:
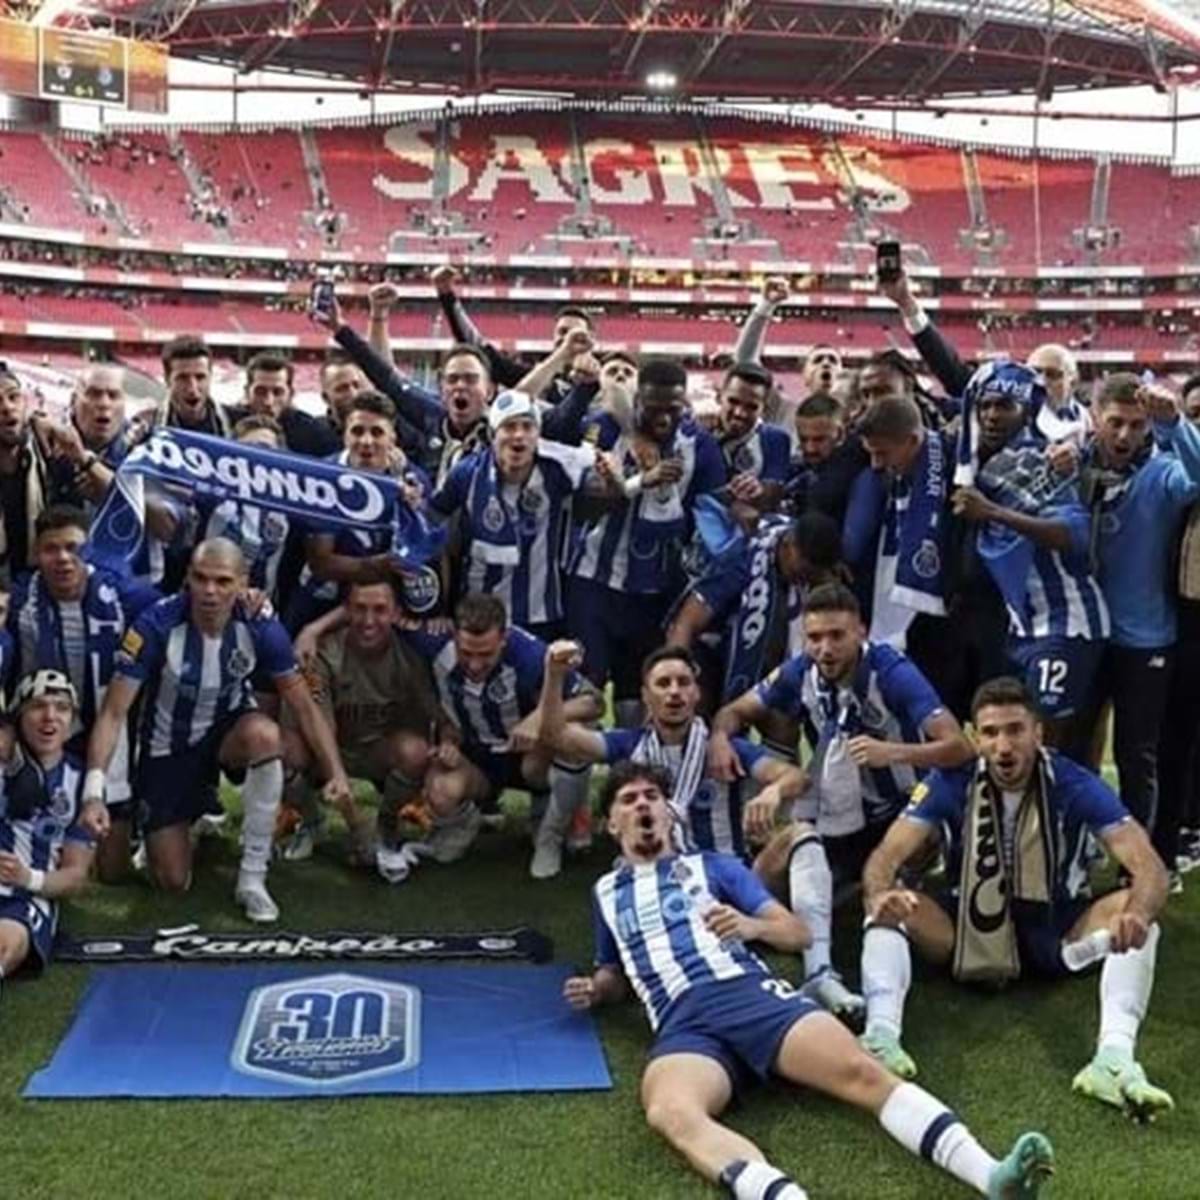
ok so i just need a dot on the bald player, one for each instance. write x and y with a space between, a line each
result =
196 654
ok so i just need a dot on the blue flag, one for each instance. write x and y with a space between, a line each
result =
196 464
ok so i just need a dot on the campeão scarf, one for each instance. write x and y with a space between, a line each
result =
985 948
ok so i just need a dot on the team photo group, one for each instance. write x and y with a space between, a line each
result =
895 665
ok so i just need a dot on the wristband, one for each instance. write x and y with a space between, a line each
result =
632 486
37 881
917 323
93 785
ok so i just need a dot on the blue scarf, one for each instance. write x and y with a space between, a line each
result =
921 549
103 622
1005 378
1019 478
292 484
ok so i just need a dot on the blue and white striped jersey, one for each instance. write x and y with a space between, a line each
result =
79 638
649 922
1063 597
714 813
888 699
514 537
636 547
766 452
486 712
39 815
192 682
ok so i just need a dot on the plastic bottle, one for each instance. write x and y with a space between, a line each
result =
1079 955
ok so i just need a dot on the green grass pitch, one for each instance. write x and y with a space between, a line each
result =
1004 1062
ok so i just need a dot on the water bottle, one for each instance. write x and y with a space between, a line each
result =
703 900
1079 955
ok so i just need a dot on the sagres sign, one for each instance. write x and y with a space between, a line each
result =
328 1029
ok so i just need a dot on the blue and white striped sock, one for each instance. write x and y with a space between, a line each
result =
922 1124
760 1181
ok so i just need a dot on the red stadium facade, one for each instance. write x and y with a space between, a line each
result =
663 223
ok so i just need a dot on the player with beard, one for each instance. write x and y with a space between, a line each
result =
452 423
711 815
47 833
69 617
1016 828
489 680
84 453
676 927
24 487
873 725
625 562
828 461
196 655
756 454
345 556
1140 474
187 371
270 389
507 372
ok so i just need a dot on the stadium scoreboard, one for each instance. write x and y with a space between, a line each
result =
80 66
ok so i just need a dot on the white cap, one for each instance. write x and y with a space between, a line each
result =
509 405
46 682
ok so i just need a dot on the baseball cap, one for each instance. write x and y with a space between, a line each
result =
509 405
46 682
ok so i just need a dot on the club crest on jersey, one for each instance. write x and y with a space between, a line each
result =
274 527
325 1030
499 691
240 663
493 516
927 561
420 590
743 458
532 500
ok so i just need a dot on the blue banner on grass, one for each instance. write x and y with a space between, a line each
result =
295 1031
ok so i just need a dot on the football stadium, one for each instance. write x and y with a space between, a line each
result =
599 598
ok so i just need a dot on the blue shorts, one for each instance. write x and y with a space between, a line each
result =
1058 671
1041 931
617 630
177 789
40 923
740 1023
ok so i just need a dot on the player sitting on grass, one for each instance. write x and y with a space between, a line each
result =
46 843
1016 828
676 927
376 694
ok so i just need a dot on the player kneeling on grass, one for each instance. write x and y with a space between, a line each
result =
376 694
676 927
46 833
1016 829
196 654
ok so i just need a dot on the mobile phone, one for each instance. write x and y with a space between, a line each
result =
321 299
888 266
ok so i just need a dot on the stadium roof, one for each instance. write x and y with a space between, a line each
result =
840 51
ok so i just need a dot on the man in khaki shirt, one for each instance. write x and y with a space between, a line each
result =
377 694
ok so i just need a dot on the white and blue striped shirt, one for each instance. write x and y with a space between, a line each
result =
39 814
486 712
1063 597
514 537
649 922
636 547
194 682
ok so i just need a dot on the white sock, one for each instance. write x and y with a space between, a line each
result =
1125 984
260 802
810 888
760 1181
922 1124
886 976
569 788
628 713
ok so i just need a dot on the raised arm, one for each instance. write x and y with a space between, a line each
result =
565 737
753 334
536 381
938 354
506 372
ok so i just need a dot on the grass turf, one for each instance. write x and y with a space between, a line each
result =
1004 1062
